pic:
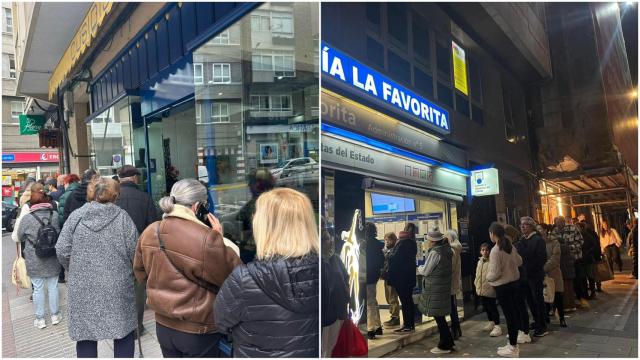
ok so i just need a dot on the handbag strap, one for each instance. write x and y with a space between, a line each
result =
209 287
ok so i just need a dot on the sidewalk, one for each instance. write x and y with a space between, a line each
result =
608 329
21 339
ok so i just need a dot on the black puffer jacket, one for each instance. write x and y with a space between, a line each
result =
402 263
271 308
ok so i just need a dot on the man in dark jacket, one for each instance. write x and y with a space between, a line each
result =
55 190
402 274
533 250
140 207
375 261
79 196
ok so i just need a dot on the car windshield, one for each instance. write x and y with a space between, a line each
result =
281 164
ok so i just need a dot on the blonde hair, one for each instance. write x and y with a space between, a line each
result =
103 190
284 225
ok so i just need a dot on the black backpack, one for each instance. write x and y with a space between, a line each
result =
47 238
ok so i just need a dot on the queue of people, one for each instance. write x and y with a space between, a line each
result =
120 254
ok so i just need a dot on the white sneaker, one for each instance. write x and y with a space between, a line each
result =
497 331
437 350
55 319
40 324
489 326
509 351
523 338
503 347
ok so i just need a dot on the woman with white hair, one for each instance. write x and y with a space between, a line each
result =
270 306
456 281
184 263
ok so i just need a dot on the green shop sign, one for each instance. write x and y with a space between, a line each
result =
31 124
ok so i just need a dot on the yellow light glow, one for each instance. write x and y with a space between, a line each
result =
560 212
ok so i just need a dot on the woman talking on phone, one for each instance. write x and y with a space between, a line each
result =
184 263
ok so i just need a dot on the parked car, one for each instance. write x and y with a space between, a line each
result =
291 165
9 214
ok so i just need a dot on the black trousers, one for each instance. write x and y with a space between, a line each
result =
178 344
490 307
580 282
446 340
509 300
122 348
141 299
406 299
536 303
613 255
521 306
558 304
455 320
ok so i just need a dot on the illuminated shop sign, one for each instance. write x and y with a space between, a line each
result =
345 69
485 182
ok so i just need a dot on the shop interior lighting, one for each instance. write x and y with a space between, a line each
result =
392 149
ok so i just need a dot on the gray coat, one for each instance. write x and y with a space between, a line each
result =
37 267
97 246
435 299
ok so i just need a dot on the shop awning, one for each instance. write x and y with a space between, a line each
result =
370 183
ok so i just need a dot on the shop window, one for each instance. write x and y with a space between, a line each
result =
198 75
423 82
219 112
375 52
8 21
252 129
397 22
221 73
282 24
17 107
222 38
443 58
421 41
260 23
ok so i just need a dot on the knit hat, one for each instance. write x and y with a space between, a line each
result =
435 235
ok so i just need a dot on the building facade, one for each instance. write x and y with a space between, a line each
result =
21 154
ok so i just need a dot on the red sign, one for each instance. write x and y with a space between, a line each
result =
7 191
30 157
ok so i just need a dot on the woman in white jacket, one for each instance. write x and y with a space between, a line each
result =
503 276
610 242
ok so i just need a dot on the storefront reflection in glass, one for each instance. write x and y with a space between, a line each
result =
256 113
116 138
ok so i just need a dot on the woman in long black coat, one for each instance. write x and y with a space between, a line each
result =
402 274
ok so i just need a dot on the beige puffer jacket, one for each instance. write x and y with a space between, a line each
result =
482 284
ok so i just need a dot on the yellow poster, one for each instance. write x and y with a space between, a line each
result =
459 69
6 180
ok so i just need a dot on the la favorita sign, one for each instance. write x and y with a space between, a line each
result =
30 157
342 68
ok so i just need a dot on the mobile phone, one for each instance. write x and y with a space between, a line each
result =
202 213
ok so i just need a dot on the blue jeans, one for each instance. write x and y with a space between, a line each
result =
38 295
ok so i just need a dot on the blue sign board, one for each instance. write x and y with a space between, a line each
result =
385 219
342 68
8 157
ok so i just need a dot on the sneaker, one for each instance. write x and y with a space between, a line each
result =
379 331
497 331
541 333
55 319
437 350
39 323
393 322
405 330
509 351
489 326
371 335
523 338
